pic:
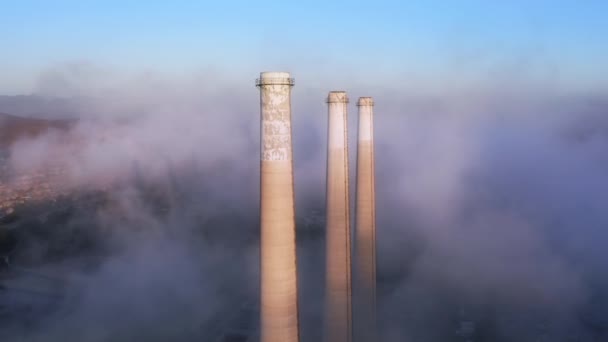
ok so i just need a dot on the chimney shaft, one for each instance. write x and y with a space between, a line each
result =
338 312
279 286
365 220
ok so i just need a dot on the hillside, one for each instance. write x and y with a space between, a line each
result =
13 128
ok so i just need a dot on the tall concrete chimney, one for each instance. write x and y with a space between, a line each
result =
365 224
338 312
279 286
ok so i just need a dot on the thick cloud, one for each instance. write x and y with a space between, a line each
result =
489 203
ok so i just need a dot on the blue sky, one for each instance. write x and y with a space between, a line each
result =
379 40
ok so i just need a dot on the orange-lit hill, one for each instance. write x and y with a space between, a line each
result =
13 128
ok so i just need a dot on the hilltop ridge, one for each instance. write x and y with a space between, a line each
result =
13 128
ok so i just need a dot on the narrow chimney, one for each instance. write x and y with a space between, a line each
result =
365 223
338 320
279 286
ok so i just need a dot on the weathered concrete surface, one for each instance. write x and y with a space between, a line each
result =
279 286
338 311
365 220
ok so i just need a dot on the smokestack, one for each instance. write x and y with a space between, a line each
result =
365 223
338 321
279 286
